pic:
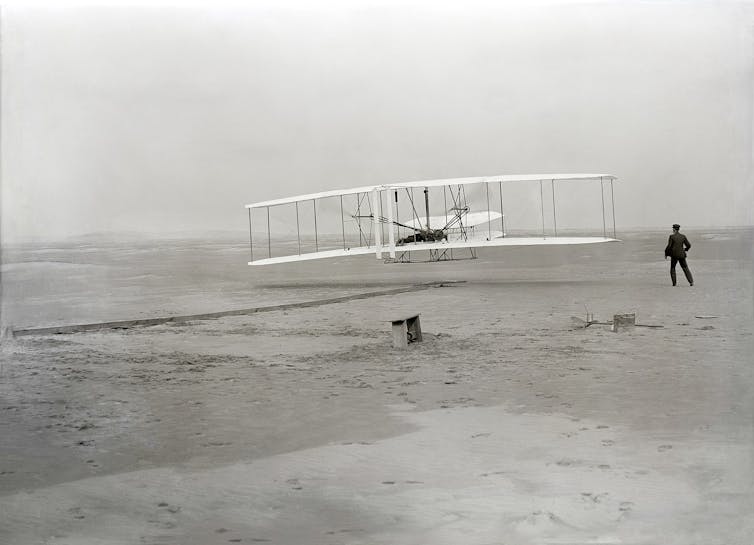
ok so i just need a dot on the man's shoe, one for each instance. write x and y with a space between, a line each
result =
691 284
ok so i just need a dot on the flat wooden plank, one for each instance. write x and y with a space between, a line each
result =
408 317
400 337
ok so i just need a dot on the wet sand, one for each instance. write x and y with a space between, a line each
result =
508 424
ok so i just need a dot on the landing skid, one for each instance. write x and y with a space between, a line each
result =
434 256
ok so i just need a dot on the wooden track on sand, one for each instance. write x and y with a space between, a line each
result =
127 324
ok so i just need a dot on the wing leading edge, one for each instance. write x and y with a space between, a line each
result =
503 178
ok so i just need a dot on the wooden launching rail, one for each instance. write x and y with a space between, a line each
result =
127 324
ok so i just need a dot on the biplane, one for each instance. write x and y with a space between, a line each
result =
442 219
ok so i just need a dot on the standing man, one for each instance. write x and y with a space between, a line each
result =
676 250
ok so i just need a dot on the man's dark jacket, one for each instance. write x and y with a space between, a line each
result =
677 246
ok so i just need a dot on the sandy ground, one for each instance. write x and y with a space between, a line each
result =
507 425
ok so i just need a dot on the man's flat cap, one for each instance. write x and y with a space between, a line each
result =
676 226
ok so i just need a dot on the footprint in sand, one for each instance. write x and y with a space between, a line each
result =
76 512
663 448
295 484
568 462
541 521
594 498
163 518
168 507
608 443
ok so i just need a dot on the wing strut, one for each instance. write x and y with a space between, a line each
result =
554 218
377 226
269 242
298 231
362 235
251 238
316 241
489 216
382 215
390 227
458 201
502 212
342 222
413 207
445 205
612 198
602 190
542 208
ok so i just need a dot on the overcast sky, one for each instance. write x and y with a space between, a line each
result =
165 119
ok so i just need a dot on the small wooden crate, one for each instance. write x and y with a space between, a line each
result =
623 321
406 330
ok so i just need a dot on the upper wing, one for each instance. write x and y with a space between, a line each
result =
434 183
312 196
503 178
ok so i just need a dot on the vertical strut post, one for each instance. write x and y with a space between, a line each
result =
358 215
426 205
612 198
542 207
251 238
445 203
269 241
489 215
390 224
298 231
397 213
602 193
316 242
502 211
382 215
554 217
377 228
342 222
